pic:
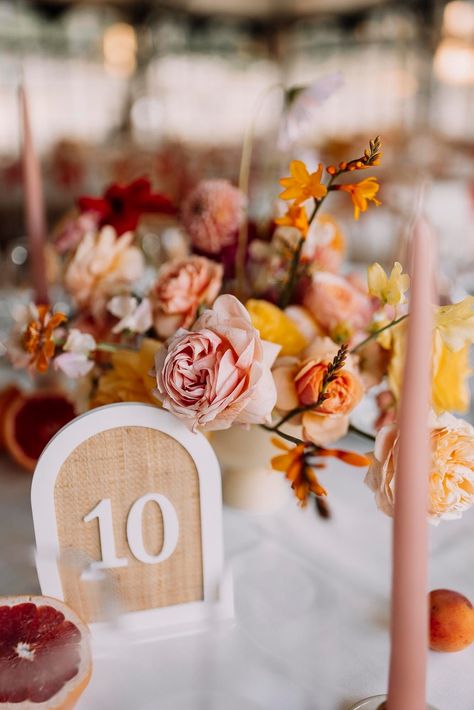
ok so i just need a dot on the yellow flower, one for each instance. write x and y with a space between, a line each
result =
301 185
295 217
451 373
455 323
450 370
389 289
129 380
274 325
361 193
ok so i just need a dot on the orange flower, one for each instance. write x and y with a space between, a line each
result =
295 217
38 339
301 185
302 477
301 473
361 193
298 382
342 394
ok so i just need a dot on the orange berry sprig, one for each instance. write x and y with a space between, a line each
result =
371 158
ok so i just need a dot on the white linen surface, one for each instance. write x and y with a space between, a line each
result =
312 605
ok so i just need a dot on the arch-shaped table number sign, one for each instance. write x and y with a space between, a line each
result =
139 496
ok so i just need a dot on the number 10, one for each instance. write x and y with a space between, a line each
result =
103 512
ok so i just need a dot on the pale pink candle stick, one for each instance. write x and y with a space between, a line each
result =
34 205
409 624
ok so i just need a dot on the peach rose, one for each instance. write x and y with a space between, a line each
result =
219 372
451 479
298 383
102 266
334 302
182 287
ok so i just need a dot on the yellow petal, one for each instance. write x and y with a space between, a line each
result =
299 171
377 280
274 325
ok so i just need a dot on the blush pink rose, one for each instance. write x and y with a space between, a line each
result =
219 372
182 287
334 302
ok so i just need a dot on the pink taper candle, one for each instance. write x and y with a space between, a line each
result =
409 625
34 206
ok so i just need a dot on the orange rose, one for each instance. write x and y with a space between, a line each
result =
342 394
299 384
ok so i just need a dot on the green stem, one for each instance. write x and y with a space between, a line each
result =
359 432
292 277
376 333
107 347
287 437
287 293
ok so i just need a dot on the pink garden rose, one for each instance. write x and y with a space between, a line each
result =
219 372
335 302
182 287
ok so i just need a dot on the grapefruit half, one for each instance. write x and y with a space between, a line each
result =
7 396
30 421
45 658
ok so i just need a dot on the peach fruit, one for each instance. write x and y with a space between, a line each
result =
451 621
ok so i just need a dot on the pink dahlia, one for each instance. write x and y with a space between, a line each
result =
212 214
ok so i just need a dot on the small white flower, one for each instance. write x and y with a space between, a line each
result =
73 364
79 342
74 361
134 317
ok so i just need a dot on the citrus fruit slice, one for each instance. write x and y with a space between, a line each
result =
7 396
45 658
30 421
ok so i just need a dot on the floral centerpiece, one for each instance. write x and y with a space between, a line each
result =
253 327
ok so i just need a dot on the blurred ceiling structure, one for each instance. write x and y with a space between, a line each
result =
169 87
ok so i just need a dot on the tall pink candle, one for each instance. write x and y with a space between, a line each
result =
409 624
34 206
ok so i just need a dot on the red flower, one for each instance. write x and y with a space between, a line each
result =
122 205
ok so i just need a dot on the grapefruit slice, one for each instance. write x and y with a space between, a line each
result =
7 396
30 421
45 658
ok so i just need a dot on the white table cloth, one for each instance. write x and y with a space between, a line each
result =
312 604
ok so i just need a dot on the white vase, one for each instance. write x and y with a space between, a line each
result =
248 481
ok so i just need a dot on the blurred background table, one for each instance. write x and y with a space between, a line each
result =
311 622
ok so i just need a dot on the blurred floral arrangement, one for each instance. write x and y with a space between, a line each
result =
250 329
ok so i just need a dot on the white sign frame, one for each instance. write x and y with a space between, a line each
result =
217 600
